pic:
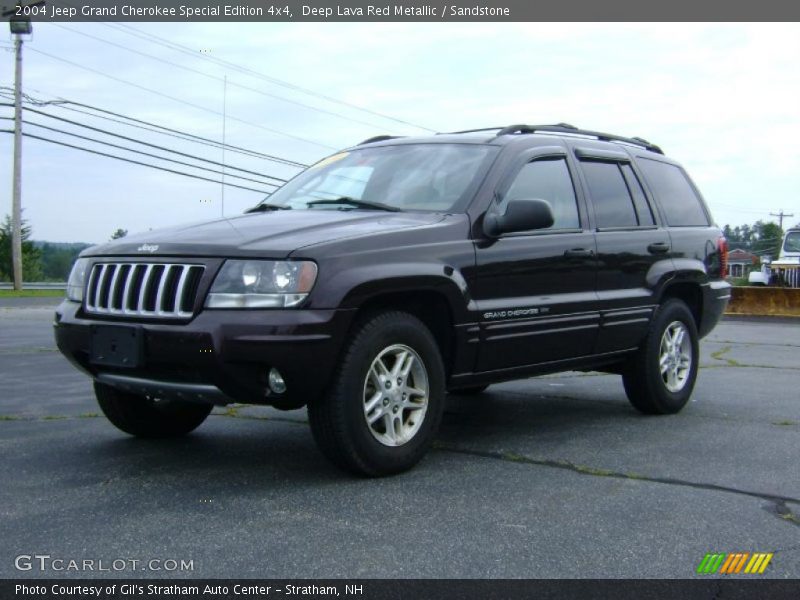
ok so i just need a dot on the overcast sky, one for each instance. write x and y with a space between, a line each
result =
722 99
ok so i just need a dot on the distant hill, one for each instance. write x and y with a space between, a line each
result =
57 258
62 245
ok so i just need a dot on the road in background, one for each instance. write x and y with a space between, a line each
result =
550 477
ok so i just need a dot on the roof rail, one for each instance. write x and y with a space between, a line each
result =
571 129
379 138
470 131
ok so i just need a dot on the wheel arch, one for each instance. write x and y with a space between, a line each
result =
429 305
690 293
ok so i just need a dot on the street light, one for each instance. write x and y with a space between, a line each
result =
19 25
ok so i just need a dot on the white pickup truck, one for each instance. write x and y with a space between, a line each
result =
788 263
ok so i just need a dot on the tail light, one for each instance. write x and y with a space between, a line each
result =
722 248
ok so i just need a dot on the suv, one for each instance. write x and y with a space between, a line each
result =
394 272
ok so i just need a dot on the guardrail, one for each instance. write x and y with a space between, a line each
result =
36 285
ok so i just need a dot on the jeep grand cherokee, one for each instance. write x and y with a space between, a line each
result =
388 274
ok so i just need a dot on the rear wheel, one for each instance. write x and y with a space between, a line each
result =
150 418
386 401
660 378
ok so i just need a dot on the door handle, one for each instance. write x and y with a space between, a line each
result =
578 253
658 248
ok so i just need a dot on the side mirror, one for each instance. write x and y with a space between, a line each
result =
521 215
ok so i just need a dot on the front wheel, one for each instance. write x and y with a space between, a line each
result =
150 418
660 378
386 401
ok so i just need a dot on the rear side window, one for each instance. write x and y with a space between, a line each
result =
643 210
547 179
613 205
677 197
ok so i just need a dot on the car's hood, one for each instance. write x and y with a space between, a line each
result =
272 234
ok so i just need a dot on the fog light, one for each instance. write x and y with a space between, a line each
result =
276 383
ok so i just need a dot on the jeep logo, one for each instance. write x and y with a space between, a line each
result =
147 248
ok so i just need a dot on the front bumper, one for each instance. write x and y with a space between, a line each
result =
219 356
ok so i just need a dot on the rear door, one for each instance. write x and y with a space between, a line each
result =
633 249
536 290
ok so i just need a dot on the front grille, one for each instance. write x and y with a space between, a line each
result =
143 289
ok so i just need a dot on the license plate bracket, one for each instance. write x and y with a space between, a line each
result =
116 346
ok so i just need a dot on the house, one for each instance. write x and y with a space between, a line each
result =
741 262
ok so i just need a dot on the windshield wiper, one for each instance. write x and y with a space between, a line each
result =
266 206
355 203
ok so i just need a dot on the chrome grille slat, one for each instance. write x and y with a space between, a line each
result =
160 293
112 289
145 283
126 294
155 280
98 282
179 289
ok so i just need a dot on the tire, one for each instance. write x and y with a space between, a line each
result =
650 390
469 391
369 384
143 417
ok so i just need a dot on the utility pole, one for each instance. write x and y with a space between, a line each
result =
780 216
19 26
16 194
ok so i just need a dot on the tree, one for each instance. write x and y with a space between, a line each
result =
768 238
57 259
31 256
119 233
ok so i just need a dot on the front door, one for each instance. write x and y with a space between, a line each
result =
536 290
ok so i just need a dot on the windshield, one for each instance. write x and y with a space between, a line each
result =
413 177
792 242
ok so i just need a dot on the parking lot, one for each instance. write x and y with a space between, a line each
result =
550 477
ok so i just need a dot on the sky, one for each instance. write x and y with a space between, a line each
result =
720 98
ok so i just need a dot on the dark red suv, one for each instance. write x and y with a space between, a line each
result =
390 273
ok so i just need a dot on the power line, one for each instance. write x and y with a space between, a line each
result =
741 210
127 149
174 46
136 162
174 99
215 78
156 146
153 127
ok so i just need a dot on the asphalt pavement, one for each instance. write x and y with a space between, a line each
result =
549 477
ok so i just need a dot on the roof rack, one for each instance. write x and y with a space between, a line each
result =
571 129
470 131
379 138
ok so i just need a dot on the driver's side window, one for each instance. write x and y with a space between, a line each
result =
546 179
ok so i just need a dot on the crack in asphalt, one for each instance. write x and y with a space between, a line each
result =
49 417
752 343
27 350
780 510
779 501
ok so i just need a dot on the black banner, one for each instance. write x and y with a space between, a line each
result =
399 10
413 589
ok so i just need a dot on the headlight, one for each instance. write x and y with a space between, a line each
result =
77 280
262 284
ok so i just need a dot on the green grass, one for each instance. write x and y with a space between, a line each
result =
739 281
32 294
